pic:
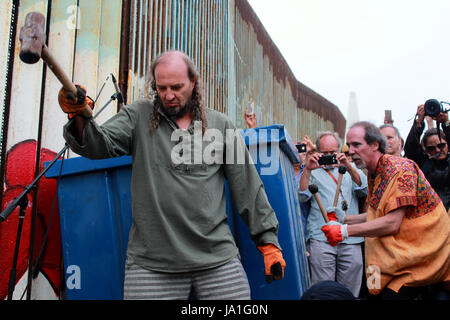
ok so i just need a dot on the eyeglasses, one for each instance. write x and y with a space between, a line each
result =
439 146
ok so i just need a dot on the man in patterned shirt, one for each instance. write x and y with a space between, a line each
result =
406 225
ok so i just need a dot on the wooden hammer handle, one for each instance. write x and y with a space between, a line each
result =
62 76
58 71
322 209
338 190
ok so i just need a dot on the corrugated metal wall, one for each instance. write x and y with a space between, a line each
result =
84 37
238 62
264 77
197 27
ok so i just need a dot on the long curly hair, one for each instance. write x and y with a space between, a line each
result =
198 109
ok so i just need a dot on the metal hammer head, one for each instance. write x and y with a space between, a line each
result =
342 169
32 37
313 188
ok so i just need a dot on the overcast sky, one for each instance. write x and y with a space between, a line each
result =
393 54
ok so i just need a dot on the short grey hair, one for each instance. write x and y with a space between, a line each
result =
328 133
388 125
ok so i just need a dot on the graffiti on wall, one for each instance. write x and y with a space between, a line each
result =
20 172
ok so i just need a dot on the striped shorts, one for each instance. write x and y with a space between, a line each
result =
227 282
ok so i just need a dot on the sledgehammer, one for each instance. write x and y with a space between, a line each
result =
32 48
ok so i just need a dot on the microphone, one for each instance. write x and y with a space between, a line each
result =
119 93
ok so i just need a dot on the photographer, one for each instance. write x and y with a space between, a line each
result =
305 146
431 154
342 263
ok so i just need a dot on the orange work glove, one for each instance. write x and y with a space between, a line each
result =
75 105
335 214
273 262
335 232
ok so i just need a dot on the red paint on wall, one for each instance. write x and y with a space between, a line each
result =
20 167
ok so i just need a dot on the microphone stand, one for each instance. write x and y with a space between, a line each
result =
22 201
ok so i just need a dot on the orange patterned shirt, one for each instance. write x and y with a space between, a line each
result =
419 253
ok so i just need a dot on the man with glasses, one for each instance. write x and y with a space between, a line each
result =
431 153
342 263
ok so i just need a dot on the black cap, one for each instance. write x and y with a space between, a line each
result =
328 290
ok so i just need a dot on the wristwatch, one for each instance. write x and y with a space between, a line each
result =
446 124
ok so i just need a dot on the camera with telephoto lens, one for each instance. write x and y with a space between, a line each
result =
433 108
328 159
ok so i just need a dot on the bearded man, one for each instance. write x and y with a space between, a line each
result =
180 242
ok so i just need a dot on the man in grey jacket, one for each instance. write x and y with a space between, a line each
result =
180 242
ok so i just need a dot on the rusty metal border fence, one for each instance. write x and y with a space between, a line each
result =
197 27
265 78
237 59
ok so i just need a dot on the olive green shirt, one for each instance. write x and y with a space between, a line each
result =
179 209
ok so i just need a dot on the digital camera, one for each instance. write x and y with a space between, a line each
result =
328 159
301 147
433 108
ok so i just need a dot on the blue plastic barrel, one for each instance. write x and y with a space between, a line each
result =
273 153
95 216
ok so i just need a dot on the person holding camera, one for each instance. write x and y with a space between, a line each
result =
342 263
303 147
431 153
